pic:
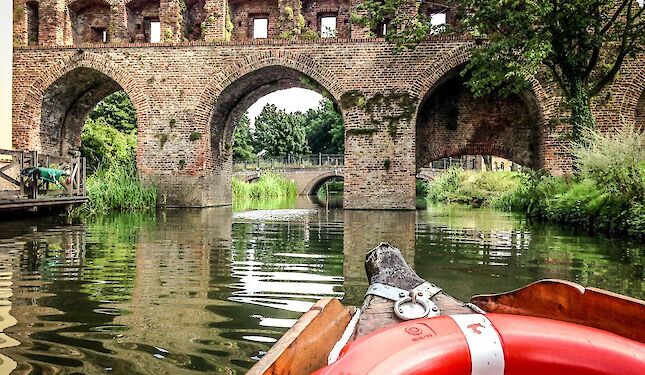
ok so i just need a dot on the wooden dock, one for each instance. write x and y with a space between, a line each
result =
30 193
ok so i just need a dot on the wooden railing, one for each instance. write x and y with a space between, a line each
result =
70 185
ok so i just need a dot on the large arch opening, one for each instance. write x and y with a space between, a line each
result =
282 139
68 101
451 122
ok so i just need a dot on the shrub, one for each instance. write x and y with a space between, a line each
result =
102 144
473 188
615 160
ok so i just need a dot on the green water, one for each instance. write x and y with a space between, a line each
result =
192 291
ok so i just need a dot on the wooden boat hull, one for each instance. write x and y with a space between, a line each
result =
306 346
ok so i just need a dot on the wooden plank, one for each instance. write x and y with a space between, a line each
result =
304 348
571 302
385 264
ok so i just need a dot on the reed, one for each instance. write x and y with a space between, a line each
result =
117 188
269 185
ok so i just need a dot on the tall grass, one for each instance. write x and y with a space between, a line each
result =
117 188
269 185
608 194
471 187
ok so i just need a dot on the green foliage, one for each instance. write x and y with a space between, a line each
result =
269 185
243 140
616 159
228 31
606 197
421 188
102 144
117 188
325 129
470 187
280 133
405 29
195 136
117 111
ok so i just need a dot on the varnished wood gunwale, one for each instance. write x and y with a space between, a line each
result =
571 302
304 348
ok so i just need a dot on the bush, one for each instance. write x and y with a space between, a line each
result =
102 144
473 188
269 185
615 160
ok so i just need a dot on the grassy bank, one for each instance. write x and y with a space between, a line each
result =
269 185
607 195
117 188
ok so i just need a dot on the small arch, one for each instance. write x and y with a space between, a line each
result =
105 76
631 94
314 185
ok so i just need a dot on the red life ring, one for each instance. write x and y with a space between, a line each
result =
489 344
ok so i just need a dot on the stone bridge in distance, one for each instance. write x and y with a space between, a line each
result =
401 111
308 172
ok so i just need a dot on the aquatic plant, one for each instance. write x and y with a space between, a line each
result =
117 188
269 185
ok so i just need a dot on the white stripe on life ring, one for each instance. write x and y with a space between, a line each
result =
484 344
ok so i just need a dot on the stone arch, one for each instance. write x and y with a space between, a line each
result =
30 106
234 88
315 184
632 100
305 66
459 57
525 123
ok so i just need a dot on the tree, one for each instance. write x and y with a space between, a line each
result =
118 111
102 144
325 129
243 140
280 133
578 44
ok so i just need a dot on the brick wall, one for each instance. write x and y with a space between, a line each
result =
188 97
67 22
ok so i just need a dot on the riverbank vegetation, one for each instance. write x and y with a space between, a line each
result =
607 194
108 143
117 188
269 185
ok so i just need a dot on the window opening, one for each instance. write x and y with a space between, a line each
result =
155 32
328 27
260 28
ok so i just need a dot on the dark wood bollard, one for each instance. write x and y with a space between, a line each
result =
385 264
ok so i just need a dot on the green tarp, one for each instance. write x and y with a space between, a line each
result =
44 174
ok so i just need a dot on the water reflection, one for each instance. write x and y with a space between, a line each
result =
192 291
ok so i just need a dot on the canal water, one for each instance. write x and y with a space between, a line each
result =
209 291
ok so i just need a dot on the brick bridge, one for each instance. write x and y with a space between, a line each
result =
401 111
